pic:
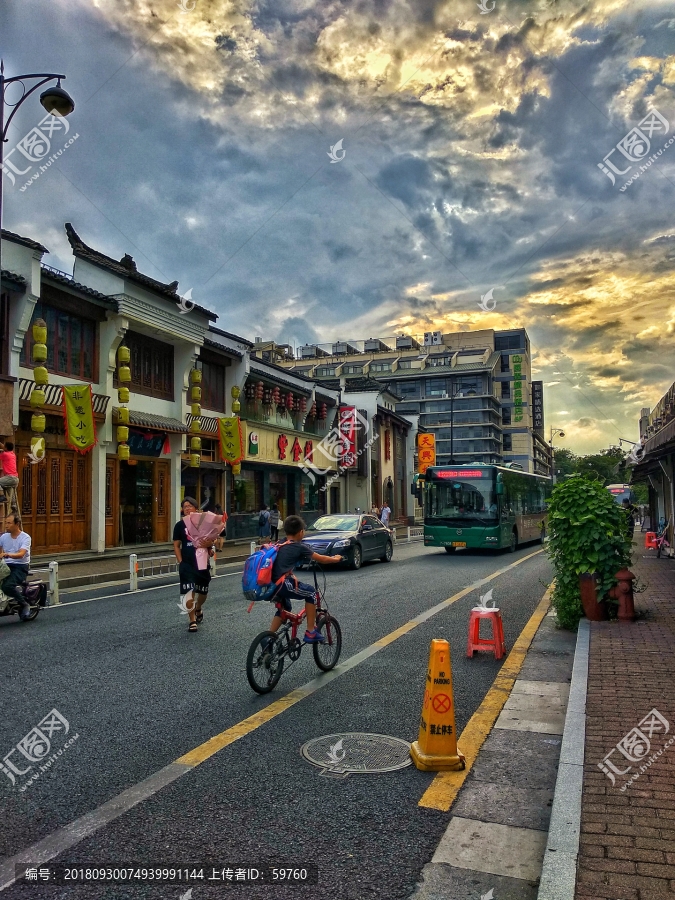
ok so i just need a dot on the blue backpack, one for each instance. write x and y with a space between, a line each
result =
256 580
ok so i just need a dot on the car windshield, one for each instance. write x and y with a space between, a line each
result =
462 500
336 523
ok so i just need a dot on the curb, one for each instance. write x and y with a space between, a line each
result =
559 872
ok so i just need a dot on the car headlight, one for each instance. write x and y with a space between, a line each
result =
341 544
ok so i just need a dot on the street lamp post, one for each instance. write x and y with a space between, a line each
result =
55 100
554 432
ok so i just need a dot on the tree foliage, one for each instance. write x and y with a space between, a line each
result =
587 533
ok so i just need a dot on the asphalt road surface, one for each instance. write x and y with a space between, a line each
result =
139 692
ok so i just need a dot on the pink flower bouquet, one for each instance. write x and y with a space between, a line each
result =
202 529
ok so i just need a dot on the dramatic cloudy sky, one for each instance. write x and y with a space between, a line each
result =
472 144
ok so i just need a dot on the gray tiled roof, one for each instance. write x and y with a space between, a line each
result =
160 423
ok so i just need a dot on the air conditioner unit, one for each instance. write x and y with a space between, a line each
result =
444 396
460 394
432 338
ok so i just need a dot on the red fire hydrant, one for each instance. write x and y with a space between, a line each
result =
623 592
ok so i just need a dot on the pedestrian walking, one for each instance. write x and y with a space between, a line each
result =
194 582
274 523
385 514
264 522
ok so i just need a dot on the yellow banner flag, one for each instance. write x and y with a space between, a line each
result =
231 442
78 414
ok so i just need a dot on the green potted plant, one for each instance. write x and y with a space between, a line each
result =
587 537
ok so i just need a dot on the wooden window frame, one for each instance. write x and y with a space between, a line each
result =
53 342
138 342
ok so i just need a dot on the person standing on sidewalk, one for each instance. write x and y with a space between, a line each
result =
385 514
15 551
264 522
194 582
274 523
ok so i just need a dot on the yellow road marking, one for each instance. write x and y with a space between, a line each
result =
201 753
443 790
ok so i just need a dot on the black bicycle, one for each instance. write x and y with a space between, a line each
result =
269 651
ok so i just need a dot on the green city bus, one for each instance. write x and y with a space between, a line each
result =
482 506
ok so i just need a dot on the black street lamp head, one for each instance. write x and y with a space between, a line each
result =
57 101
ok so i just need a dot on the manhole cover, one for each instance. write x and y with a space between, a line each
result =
339 755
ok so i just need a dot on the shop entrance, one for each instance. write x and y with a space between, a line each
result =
137 501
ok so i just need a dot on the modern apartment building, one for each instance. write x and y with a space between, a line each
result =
472 389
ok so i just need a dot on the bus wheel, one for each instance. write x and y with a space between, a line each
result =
514 541
450 549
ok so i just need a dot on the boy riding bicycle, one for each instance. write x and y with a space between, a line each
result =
291 554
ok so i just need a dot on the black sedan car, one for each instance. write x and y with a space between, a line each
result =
356 538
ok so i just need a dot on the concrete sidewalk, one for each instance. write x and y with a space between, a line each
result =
628 827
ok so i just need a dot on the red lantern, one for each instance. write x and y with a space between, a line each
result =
303 404
312 411
276 396
289 400
259 389
323 411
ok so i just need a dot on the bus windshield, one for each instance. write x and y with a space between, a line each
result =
463 499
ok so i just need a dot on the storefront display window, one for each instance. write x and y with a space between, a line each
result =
309 495
136 502
279 493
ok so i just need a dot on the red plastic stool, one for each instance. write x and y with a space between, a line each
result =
650 540
496 642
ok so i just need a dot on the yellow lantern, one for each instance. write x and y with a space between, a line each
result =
236 406
196 409
123 395
236 470
39 331
195 443
124 374
39 352
194 460
122 434
195 426
37 397
235 392
122 416
123 355
123 451
196 376
195 394
41 375
38 422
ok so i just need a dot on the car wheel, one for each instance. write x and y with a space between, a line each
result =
356 557
388 552
450 549
514 541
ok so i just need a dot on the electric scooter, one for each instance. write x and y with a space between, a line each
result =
35 593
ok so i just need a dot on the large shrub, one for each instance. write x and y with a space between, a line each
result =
587 533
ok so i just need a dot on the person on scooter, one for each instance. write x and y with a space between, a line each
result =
15 551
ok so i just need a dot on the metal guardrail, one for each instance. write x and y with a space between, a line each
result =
53 589
158 566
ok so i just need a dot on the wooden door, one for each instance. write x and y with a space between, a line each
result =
112 501
161 501
55 500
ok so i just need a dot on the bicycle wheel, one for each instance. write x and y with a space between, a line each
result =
263 665
327 654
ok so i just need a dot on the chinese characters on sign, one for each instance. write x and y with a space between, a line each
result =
282 444
517 388
538 406
348 426
231 444
79 417
426 451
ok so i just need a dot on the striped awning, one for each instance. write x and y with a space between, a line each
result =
153 422
208 426
54 396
